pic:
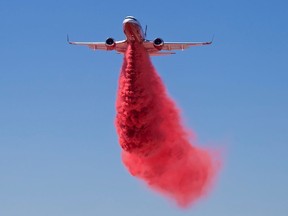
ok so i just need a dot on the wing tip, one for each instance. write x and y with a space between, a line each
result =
68 40
212 39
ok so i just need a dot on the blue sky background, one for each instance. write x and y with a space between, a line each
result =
59 153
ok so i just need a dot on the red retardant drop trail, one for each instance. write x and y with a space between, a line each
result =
156 147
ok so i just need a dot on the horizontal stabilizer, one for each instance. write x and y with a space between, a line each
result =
161 53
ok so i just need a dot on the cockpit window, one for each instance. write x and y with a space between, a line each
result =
131 17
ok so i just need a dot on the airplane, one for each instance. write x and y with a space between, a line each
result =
134 33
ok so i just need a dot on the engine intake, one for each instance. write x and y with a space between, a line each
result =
158 43
110 43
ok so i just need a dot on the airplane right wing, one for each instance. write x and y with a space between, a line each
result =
119 46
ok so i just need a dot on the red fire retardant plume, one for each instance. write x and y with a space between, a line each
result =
156 147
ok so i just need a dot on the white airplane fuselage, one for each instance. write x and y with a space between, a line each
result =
133 30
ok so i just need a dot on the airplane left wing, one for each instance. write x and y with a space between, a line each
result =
182 45
154 50
119 46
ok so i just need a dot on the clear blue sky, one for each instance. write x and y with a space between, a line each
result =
59 153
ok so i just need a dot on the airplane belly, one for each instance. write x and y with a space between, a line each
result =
133 32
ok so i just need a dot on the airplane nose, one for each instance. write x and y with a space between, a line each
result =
128 23
132 29
125 21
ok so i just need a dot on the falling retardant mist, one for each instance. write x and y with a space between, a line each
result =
157 148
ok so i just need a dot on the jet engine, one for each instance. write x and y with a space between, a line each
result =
110 43
158 43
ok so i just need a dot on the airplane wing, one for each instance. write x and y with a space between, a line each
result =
168 46
182 45
120 46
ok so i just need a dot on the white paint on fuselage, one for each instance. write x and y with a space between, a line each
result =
133 30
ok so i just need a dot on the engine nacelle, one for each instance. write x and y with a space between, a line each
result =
158 43
110 43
